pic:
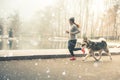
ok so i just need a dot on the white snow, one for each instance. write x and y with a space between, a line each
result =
48 76
17 41
66 63
79 65
8 42
38 74
48 71
80 76
10 54
63 73
73 64
33 42
5 55
36 64
86 70
95 64
8 79
53 14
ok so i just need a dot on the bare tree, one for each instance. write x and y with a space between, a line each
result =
1 26
15 23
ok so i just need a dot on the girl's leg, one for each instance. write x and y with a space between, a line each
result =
71 49
76 49
71 52
82 49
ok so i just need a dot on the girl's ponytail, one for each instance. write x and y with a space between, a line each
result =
77 25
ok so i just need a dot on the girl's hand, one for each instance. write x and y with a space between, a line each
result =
67 32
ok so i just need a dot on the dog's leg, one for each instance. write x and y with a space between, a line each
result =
86 56
93 55
100 54
108 53
91 52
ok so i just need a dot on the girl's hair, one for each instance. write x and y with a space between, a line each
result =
73 20
77 25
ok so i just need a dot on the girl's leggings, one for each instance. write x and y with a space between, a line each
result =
71 46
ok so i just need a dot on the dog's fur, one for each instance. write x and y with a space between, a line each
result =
94 46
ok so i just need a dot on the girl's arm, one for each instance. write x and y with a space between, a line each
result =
76 30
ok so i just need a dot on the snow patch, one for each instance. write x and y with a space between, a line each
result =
63 73
8 79
95 64
48 71
48 76
10 54
80 77
66 63
36 64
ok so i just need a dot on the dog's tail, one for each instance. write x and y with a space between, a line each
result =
102 40
104 43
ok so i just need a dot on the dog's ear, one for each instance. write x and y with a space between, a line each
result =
85 38
83 45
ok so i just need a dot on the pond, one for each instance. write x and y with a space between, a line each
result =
26 43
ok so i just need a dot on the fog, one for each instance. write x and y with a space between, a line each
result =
39 23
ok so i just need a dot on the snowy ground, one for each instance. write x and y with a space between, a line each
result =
61 69
40 52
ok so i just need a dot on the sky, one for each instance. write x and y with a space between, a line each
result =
26 8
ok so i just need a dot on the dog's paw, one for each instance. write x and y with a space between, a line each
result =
111 59
83 60
97 60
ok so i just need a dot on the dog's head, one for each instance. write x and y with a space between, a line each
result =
86 43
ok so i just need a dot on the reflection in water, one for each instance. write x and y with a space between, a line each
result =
6 44
28 43
1 44
10 44
40 44
14 44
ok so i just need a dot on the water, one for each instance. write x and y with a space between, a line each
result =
29 43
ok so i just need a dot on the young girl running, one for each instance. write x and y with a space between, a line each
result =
72 38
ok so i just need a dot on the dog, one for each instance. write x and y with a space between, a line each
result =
96 46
